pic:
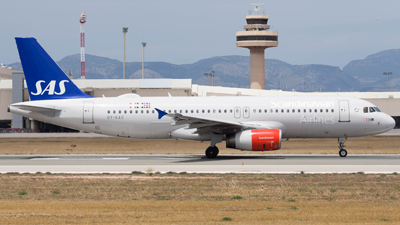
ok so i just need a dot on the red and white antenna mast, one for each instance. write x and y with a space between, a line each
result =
82 21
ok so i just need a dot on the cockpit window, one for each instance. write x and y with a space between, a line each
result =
365 109
376 108
371 109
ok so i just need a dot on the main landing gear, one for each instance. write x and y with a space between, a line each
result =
342 151
213 151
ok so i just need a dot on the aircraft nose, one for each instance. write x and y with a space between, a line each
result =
392 122
389 122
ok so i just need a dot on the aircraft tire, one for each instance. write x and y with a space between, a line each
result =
343 153
212 152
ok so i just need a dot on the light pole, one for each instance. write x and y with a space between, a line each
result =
208 76
212 78
143 45
124 30
387 75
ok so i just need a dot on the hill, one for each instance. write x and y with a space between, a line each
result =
234 71
369 71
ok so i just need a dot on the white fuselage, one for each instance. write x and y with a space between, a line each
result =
136 117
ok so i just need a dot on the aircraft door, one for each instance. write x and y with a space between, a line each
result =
344 111
237 112
246 112
88 112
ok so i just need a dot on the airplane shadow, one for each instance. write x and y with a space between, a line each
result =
229 157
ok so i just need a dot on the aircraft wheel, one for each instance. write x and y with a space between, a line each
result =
343 153
212 152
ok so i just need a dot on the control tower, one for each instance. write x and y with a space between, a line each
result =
257 38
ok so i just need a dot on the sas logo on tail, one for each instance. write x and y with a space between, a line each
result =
50 87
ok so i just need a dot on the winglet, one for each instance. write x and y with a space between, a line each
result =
161 113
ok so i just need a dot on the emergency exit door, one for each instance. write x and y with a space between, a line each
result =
246 112
237 112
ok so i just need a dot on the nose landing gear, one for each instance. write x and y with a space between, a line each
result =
342 151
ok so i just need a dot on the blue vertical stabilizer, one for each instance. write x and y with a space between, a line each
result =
45 79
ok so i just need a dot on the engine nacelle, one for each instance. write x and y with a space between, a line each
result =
255 140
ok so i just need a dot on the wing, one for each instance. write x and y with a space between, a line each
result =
206 125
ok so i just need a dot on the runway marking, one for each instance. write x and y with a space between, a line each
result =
44 158
115 158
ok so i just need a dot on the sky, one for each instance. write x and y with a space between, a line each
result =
183 32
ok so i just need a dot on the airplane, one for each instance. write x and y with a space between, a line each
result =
244 122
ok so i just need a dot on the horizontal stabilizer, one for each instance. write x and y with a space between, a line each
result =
39 109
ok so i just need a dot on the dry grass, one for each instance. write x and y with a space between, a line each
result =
193 187
364 145
200 198
196 212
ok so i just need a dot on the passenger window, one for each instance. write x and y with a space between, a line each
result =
180 111
254 110
175 111
219 110
136 112
260 110
119 111
225 111
191 111
169 111
293 111
214 111
276 110
266 110
272 110
108 111
282 110
202 111
332 110
125 111
321 110
208 111
152 111
147 111
305 110
327 110
142 111
130 111
114 111
231 111
197 111
371 109
298 110
310 110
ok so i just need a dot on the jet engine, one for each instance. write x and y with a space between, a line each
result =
255 140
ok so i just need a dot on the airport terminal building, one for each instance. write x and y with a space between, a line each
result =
13 89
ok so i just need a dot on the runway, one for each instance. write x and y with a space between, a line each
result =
200 164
